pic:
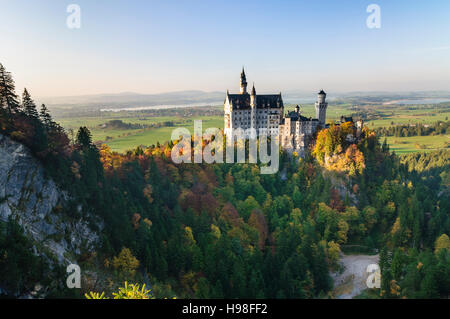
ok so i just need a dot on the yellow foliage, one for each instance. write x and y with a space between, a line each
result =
215 231
333 252
95 295
443 242
148 222
132 291
342 232
397 226
126 262
189 236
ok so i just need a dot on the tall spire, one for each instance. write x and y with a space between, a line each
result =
253 89
243 82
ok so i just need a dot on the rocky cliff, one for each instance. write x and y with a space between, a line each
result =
37 203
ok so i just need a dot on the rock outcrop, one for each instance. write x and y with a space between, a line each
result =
37 204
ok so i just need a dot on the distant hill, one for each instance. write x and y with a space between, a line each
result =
135 99
194 98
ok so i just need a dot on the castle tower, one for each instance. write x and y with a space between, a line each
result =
253 108
243 82
321 107
253 96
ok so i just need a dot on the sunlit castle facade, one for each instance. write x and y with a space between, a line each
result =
265 114
297 131
251 111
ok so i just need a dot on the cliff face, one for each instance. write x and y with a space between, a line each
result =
37 203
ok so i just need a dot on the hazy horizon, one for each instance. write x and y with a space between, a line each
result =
152 47
236 91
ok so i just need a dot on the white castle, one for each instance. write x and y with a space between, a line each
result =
250 111
265 114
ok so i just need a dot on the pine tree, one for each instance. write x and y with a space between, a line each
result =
8 97
28 105
46 118
84 137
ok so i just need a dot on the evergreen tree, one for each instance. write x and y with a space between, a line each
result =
84 137
46 118
28 105
8 97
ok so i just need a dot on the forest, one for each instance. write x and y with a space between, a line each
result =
439 127
225 230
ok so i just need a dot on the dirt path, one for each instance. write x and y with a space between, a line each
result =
353 280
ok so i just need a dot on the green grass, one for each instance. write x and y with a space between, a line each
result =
161 135
401 115
124 139
403 145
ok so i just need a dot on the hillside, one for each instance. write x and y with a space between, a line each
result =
214 230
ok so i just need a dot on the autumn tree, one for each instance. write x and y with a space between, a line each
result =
442 243
126 263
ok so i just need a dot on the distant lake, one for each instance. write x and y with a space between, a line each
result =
159 107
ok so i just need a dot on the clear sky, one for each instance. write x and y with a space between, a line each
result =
159 46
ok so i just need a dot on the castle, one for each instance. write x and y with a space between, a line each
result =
265 114
251 111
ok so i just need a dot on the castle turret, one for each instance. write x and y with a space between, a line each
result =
253 123
243 82
321 107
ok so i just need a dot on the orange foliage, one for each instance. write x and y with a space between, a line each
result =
148 193
258 221
231 215
336 201
135 221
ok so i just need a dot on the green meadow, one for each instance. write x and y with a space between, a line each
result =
402 145
123 139
403 116
162 135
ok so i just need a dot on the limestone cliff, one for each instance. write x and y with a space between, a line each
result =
37 204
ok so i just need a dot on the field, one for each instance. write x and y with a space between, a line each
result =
403 115
121 140
411 144
154 128
389 115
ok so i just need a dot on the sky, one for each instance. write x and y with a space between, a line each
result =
150 46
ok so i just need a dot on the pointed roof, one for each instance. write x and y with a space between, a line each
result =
243 77
253 89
